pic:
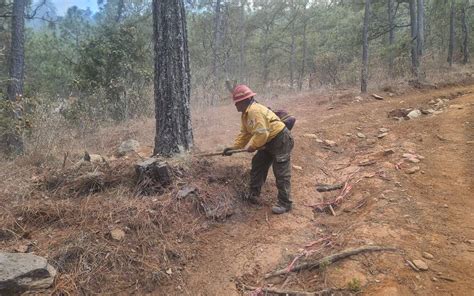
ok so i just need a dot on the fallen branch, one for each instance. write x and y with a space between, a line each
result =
329 259
358 206
338 200
447 278
257 291
377 97
307 251
327 187
345 190
64 160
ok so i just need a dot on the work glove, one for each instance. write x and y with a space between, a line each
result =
227 152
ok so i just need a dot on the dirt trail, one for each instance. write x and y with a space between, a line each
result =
428 211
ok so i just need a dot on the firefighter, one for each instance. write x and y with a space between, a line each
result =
263 131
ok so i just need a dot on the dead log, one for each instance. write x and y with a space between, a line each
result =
286 292
327 187
377 97
329 259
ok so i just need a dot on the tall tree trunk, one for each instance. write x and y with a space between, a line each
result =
225 54
216 42
292 56
420 36
303 58
243 37
365 49
13 140
172 78
120 9
414 31
451 35
465 34
17 53
265 55
391 37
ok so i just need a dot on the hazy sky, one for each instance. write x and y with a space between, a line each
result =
63 5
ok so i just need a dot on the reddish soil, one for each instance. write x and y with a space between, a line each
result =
428 211
172 249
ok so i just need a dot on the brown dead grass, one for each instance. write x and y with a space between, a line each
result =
67 215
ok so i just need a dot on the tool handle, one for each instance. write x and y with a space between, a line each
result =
238 151
220 153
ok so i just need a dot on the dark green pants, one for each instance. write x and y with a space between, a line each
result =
277 153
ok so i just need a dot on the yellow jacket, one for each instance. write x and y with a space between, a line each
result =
259 126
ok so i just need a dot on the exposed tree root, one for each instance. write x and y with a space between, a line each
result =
263 291
329 259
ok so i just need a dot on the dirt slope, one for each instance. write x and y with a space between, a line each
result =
428 211
211 242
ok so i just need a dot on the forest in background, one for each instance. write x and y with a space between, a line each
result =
96 67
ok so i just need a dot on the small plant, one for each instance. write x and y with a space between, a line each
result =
324 265
354 285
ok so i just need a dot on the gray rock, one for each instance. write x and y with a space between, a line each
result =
411 157
361 135
430 111
371 141
382 135
185 191
427 255
456 106
128 146
420 264
117 234
330 143
297 167
413 170
24 272
384 130
414 114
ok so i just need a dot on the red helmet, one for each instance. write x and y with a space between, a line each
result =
242 92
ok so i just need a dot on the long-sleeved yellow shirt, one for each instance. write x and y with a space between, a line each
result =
259 126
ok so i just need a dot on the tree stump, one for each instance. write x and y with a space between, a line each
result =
152 174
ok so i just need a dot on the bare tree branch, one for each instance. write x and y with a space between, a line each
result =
31 16
380 34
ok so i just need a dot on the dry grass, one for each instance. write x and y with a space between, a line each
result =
67 216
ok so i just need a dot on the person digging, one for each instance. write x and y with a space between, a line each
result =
263 131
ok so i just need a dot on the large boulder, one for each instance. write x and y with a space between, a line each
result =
24 272
128 146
